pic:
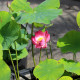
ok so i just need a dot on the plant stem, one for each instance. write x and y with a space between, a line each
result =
74 57
17 62
40 56
46 53
50 49
12 64
33 46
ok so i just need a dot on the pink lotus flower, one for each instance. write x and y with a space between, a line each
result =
40 39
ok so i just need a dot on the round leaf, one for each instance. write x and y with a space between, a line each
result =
71 66
5 73
78 19
70 42
44 13
65 78
49 70
39 17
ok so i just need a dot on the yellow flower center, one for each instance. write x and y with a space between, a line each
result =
40 38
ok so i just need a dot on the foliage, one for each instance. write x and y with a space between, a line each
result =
65 78
21 54
18 5
36 15
38 25
71 66
78 19
22 41
5 72
70 42
49 70
1 52
9 30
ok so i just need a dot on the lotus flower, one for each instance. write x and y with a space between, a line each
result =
40 39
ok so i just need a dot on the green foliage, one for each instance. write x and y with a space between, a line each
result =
20 44
9 31
39 17
70 42
20 55
71 66
22 41
1 52
49 70
21 5
38 25
24 34
43 30
48 4
46 26
44 13
67 73
65 78
78 19
5 17
5 73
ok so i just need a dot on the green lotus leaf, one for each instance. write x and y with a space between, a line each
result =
9 33
39 17
20 55
70 42
5 17
9 30
71 66
20 44
65 78
24 34
5 72
44 13
21 5
38 25
1 52
49 70
22 41
78 19
48 4
23 31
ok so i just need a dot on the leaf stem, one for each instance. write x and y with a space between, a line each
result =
50 49
33 46
17 62
46 53
74 57
12 64
40 56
